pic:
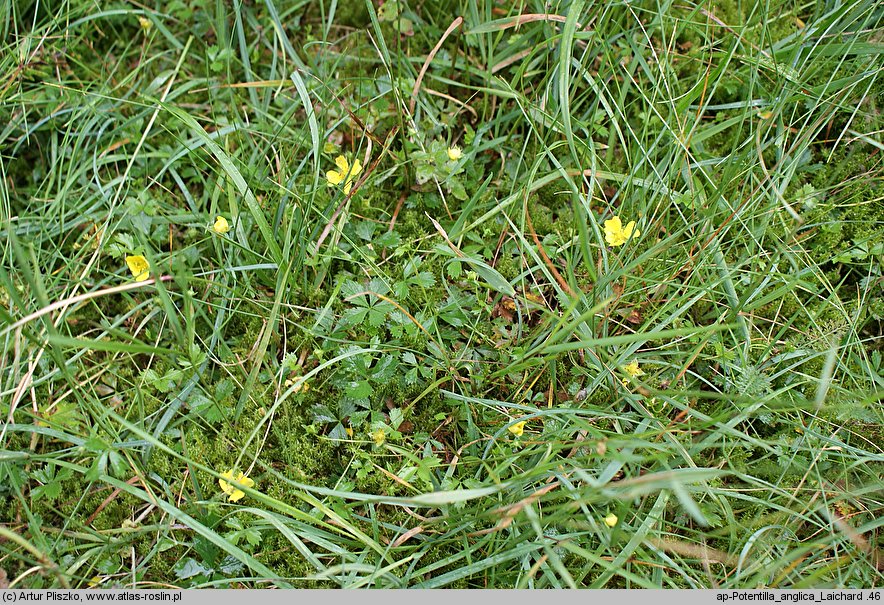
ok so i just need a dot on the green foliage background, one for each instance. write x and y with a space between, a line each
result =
366 358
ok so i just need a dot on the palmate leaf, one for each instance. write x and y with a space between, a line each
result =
211 411
354 316
385 368
367 307
323 415
349 291
189 568
359 389
424 279
378 313
339 432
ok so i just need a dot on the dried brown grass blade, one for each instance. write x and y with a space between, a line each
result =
420 76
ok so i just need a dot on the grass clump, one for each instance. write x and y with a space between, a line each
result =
414 330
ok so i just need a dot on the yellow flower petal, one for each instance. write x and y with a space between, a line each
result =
611 520
632 369
139 267
613 225
234 494
225 486
221 225
333 177
454 153
630 230
616 234
518 428
346 174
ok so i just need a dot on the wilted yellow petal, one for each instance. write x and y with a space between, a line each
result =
300 387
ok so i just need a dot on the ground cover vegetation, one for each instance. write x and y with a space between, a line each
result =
441 294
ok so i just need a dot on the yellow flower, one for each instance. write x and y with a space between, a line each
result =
232 491
632 369
518 428
611 520
221 225
379 436
346 174
454 153
616 234
139 267
145 24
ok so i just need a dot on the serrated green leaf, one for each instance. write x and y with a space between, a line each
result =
359 389
189 568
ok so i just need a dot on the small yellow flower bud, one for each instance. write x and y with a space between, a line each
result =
454 153
611 520
221 225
